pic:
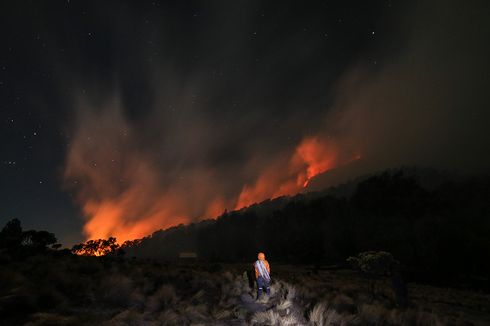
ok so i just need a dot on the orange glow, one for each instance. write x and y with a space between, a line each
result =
216 207
318 157
263 188
127 209
108 219
118 188
124 193
310 158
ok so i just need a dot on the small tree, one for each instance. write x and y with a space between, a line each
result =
373 264
11 235
38 240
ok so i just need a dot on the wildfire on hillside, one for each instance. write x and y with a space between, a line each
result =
124 193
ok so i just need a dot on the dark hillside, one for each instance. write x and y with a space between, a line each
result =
439 233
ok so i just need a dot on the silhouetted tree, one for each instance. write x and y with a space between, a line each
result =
19 242
39 240
11 234
373 264
99 247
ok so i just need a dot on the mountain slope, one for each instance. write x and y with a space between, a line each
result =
439 230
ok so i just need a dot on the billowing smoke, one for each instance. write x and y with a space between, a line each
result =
126 190
427 104
224 137
118 186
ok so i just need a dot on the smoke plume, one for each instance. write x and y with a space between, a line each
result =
212 136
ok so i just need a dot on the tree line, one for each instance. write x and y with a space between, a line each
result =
437 234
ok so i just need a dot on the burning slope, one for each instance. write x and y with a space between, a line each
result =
116 184
125 192
311 157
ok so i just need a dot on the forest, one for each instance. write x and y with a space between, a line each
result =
439 233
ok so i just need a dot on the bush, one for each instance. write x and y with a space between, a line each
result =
374 262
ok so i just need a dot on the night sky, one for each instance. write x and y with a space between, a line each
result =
123 117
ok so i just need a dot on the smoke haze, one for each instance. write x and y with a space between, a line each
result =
241 113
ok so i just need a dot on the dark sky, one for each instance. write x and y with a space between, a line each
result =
137 115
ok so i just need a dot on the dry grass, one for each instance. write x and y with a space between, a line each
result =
88 291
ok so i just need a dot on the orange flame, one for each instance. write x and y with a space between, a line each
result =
318 157
311 157
123 194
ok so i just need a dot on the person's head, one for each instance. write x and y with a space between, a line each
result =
261 256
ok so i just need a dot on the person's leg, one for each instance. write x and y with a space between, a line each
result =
267 287
260 285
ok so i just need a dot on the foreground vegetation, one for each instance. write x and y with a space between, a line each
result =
58 288
435 236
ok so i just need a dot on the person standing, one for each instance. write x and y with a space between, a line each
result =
262 274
